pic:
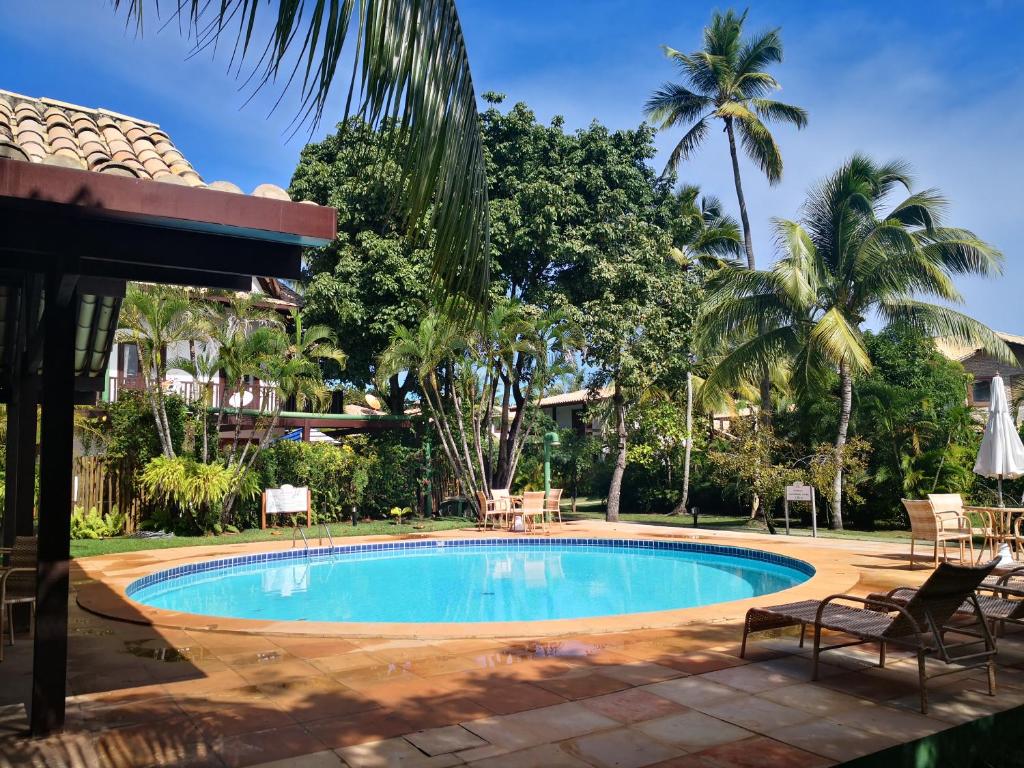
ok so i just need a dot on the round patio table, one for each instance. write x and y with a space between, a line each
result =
1004 519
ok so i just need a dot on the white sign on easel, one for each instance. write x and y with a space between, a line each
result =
800 492
286 500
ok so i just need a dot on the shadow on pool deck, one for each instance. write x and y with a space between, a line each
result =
144 696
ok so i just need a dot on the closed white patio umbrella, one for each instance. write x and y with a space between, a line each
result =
1002 453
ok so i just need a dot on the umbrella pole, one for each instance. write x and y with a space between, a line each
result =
999 483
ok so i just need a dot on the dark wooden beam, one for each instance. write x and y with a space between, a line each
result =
27 405
97 285
144 273
50 660
11 472
170 206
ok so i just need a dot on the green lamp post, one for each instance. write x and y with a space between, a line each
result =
550 439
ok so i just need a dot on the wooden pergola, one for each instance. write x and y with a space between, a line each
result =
69 241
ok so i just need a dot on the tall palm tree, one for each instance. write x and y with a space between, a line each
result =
849 257
409 65
701 231
727 82
154 319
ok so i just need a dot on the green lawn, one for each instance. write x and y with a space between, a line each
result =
87 547
586 509
593 509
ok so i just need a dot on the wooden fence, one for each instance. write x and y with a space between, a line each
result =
103 485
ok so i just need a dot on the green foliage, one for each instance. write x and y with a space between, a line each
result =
129 432
399 512
96 525
189 491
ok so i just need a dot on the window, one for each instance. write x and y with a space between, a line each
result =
982 392
129 361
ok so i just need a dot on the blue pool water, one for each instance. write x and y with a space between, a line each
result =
524 580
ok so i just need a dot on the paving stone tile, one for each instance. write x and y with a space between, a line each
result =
887 720
621 748
325 759
699 662
754 714
835 741
752 678
506 698
441 741
539 726
687 690
759 752
581 686
361 727
393 753
544 756
692 730
266 746
632 705
815 698
641 672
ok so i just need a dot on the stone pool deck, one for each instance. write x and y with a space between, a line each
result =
609 693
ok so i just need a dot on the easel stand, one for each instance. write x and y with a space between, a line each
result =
800 492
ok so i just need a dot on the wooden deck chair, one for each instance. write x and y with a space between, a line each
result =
926 525
920 624
533 510
489 509
553 506
17 583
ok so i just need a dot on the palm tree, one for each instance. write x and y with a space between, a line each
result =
849 257
701 231
410 66
154 319
727 82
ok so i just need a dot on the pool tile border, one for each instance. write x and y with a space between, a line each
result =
320 553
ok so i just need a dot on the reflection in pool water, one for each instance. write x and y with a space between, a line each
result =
504 582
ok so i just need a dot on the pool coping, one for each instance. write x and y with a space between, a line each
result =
106 594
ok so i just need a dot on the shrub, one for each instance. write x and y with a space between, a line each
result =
190 490
95 525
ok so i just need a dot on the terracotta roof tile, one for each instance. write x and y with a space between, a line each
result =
46 130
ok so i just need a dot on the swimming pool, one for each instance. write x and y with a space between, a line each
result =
489 580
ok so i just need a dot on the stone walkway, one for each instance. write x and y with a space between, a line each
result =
142 696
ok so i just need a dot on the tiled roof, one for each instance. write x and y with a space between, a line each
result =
56 133
577 396
958 351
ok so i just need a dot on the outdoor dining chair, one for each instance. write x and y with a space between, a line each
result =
490 508
982 522
533 509
552 505
17 583
938 528
920 624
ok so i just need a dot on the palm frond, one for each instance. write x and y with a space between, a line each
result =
962 252
760 146
746 363
944 322
840 341
674 104
410 65
759 52
777 111
690 141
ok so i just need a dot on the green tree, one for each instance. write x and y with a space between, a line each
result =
726 80
409 65
851 255
373 277
154 319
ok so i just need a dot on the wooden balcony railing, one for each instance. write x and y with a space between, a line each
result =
262 397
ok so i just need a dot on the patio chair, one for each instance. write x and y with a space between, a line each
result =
981 521
17 583
533 510
553 506
920 624
998 611
489 508
938 528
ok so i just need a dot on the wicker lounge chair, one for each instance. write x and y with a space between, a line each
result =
1008 584
920 624
995 610
17 583
937 527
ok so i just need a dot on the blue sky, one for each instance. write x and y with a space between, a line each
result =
939 84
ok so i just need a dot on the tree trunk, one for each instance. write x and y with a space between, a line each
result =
846 399
615 487
680 508
748 241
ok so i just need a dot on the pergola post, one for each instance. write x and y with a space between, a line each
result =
50 657
11 472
